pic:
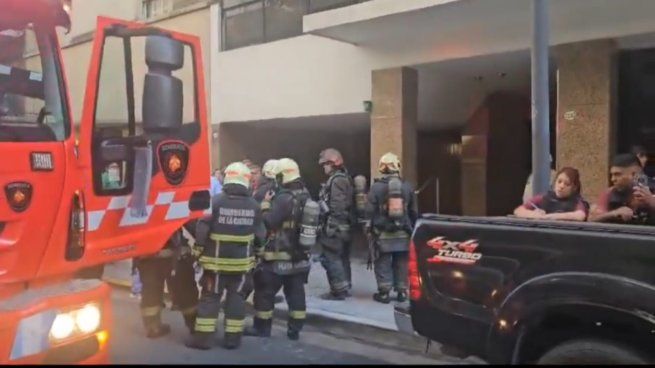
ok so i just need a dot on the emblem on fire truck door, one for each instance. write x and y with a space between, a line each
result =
173 160
19 195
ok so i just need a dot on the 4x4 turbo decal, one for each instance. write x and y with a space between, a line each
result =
454 252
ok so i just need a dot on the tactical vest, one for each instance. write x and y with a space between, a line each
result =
552 204
232 233
282 249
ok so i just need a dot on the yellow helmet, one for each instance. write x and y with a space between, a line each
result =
389 164
270 169
237 173
289 170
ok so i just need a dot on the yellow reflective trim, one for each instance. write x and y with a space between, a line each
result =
205 328
226 261
150 311
289 225
298 314
233 238
265 206
264 314
233 329
218 268
206 321
234 322
277 256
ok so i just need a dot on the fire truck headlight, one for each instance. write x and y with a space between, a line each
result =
88 318
75 322
63 326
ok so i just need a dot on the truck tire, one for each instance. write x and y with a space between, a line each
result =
594 352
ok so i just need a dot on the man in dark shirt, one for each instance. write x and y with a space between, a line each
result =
626 201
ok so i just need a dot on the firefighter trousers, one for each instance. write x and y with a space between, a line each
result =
336 262
391 271
213 286
248 285
153 272
267 285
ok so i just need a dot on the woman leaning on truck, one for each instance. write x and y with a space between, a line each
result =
562 202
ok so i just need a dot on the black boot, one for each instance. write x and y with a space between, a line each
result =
155 331
401 296
260 328
341 295
382 297
232 340
199 341
293 335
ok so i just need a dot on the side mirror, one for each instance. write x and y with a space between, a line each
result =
163 102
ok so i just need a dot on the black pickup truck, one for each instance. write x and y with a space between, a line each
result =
514 291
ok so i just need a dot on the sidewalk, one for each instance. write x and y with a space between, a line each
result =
358 309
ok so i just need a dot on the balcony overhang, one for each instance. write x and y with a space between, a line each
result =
433 30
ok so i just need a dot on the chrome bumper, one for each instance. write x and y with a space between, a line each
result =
403 318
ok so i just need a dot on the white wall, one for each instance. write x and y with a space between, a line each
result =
77 59
83 13
312 75
301 76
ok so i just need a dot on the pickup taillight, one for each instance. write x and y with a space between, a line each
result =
415 292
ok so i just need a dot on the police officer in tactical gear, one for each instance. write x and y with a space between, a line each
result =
284 262
226 255
392 211
173 262
337 216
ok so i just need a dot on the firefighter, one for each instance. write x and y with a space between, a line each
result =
174 262
392 212
267 183
285 260
337 209
226 255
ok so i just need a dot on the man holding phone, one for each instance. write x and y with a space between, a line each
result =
628 200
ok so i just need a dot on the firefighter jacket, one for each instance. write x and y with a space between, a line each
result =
282 253
337 205
390 235
235 228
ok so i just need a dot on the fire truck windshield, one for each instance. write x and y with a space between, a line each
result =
32 107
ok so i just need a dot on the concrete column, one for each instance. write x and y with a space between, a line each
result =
586 113
394 118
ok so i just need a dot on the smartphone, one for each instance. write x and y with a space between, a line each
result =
641 180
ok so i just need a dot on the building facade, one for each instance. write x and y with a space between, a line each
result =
445 84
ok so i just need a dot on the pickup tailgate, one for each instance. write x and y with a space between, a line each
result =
469 266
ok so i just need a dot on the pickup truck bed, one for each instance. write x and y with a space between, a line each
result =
511 290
